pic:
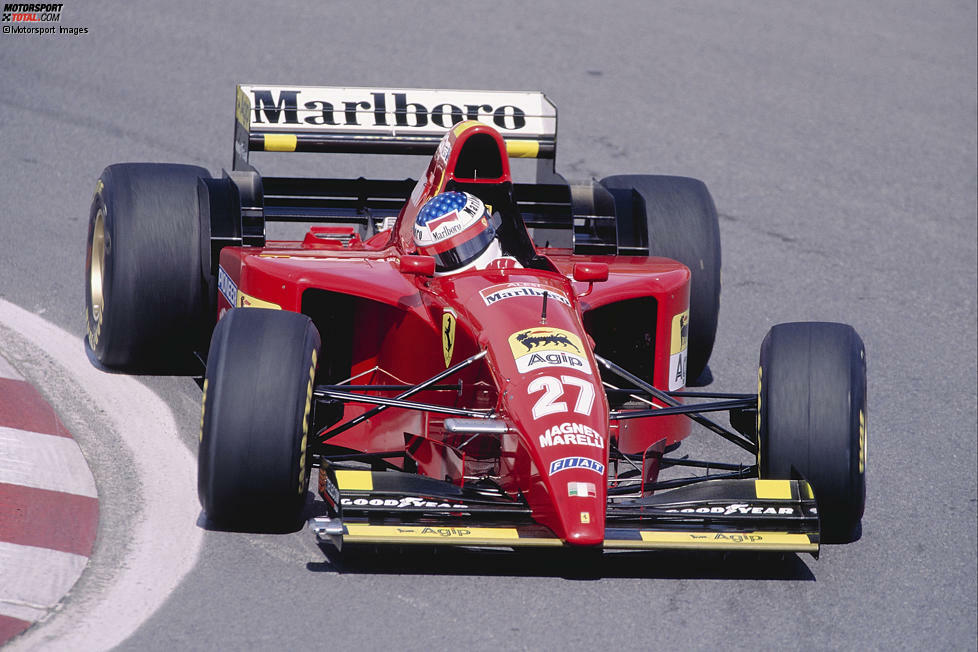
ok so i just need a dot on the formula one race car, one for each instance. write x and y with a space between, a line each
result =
527 400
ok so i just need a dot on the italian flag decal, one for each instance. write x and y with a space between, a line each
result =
582 489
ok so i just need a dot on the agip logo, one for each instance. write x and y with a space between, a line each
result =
547 347
678 346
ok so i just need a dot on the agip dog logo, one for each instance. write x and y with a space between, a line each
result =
547 347
678 351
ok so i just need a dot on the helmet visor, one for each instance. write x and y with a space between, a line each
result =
463 250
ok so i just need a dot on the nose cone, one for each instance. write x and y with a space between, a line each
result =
564 432
579 499
587 534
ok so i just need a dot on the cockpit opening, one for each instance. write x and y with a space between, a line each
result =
479 160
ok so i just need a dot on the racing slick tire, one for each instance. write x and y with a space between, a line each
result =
253 464
681 222
811 418
146 296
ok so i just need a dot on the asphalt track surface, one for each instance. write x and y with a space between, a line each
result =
839 141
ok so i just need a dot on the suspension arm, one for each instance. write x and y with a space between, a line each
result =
326 433
718 406
732 437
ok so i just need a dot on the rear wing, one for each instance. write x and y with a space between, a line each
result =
406 121
384 121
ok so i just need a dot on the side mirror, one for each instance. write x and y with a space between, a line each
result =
418 265
591 272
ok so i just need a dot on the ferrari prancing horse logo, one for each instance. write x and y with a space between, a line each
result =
448 335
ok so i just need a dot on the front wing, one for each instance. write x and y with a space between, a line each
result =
390 507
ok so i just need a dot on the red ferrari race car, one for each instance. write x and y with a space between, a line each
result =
465 359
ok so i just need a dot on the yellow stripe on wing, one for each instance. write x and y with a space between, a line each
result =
773 489
280 142
772 541
522 148
355 480
433 534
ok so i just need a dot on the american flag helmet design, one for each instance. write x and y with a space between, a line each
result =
454 228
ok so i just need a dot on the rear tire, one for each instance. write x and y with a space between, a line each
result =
812 418
681 223
145 292
253 465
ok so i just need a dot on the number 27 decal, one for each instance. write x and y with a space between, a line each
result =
553 388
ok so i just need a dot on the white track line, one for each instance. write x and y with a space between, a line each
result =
165 541
31 459
36 592
8 372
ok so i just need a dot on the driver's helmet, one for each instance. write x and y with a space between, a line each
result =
456 230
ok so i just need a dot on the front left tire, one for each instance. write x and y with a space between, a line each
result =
253 464
812 418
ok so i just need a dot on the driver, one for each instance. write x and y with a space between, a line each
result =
455 228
